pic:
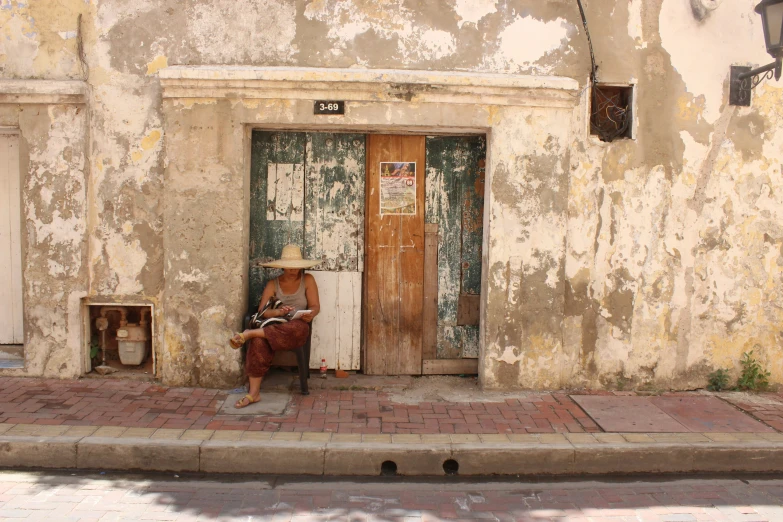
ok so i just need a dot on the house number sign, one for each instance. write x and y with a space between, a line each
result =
329 107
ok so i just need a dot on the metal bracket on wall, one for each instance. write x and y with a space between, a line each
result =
744 79
739 90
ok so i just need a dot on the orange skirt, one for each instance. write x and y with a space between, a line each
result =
279 336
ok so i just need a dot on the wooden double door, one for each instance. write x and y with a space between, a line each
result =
397 221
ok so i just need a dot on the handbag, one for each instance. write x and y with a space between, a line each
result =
257 320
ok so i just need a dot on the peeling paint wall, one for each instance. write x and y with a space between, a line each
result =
644 262
54 230
674 248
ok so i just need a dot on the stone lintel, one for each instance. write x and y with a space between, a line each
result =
43 91
368 85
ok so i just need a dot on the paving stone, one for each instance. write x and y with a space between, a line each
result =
109 431
628 414
24 429
708 414
139 432
464 438
581 438
382 439
722 437
524 438
227 435
406 439
164 433
554 438
259 435
638 438
197 434
287 436
316 437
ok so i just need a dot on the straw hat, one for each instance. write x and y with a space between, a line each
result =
291 258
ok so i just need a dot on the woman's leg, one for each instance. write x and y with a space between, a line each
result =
260 352
241 338
257 363
254 391
254 333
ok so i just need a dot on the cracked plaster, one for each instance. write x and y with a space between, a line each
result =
652 261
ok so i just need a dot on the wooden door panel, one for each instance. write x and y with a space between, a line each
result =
334 200
455 203
276 216
394 265
410 315
308 188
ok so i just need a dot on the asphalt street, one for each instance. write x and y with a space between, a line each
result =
96 496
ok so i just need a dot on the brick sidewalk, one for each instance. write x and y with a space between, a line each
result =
131 404
768 408
143 405
125 425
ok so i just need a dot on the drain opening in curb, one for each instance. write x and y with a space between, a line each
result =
451 467
388 468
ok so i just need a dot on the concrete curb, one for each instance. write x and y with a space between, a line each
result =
137 453
37 452
265 457
367 458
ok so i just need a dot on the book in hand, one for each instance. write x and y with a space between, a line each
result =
299 314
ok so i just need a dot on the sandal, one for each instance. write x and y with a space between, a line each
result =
234 344
245 401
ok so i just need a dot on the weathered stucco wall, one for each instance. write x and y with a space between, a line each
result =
674 247
670 261
205 242
53 166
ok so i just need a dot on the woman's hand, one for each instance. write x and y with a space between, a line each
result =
308 318
284 310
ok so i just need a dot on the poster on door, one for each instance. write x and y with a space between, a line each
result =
398 187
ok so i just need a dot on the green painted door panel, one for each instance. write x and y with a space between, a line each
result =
308 189
455 201
276 214
334 200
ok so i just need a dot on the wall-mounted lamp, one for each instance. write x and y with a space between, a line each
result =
743 79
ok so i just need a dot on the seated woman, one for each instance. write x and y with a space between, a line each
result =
296 291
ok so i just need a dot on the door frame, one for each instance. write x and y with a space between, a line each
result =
443 366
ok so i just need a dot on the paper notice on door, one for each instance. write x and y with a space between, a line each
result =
398 187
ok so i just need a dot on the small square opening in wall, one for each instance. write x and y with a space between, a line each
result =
120 340
611 111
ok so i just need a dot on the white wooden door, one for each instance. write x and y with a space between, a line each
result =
10 244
